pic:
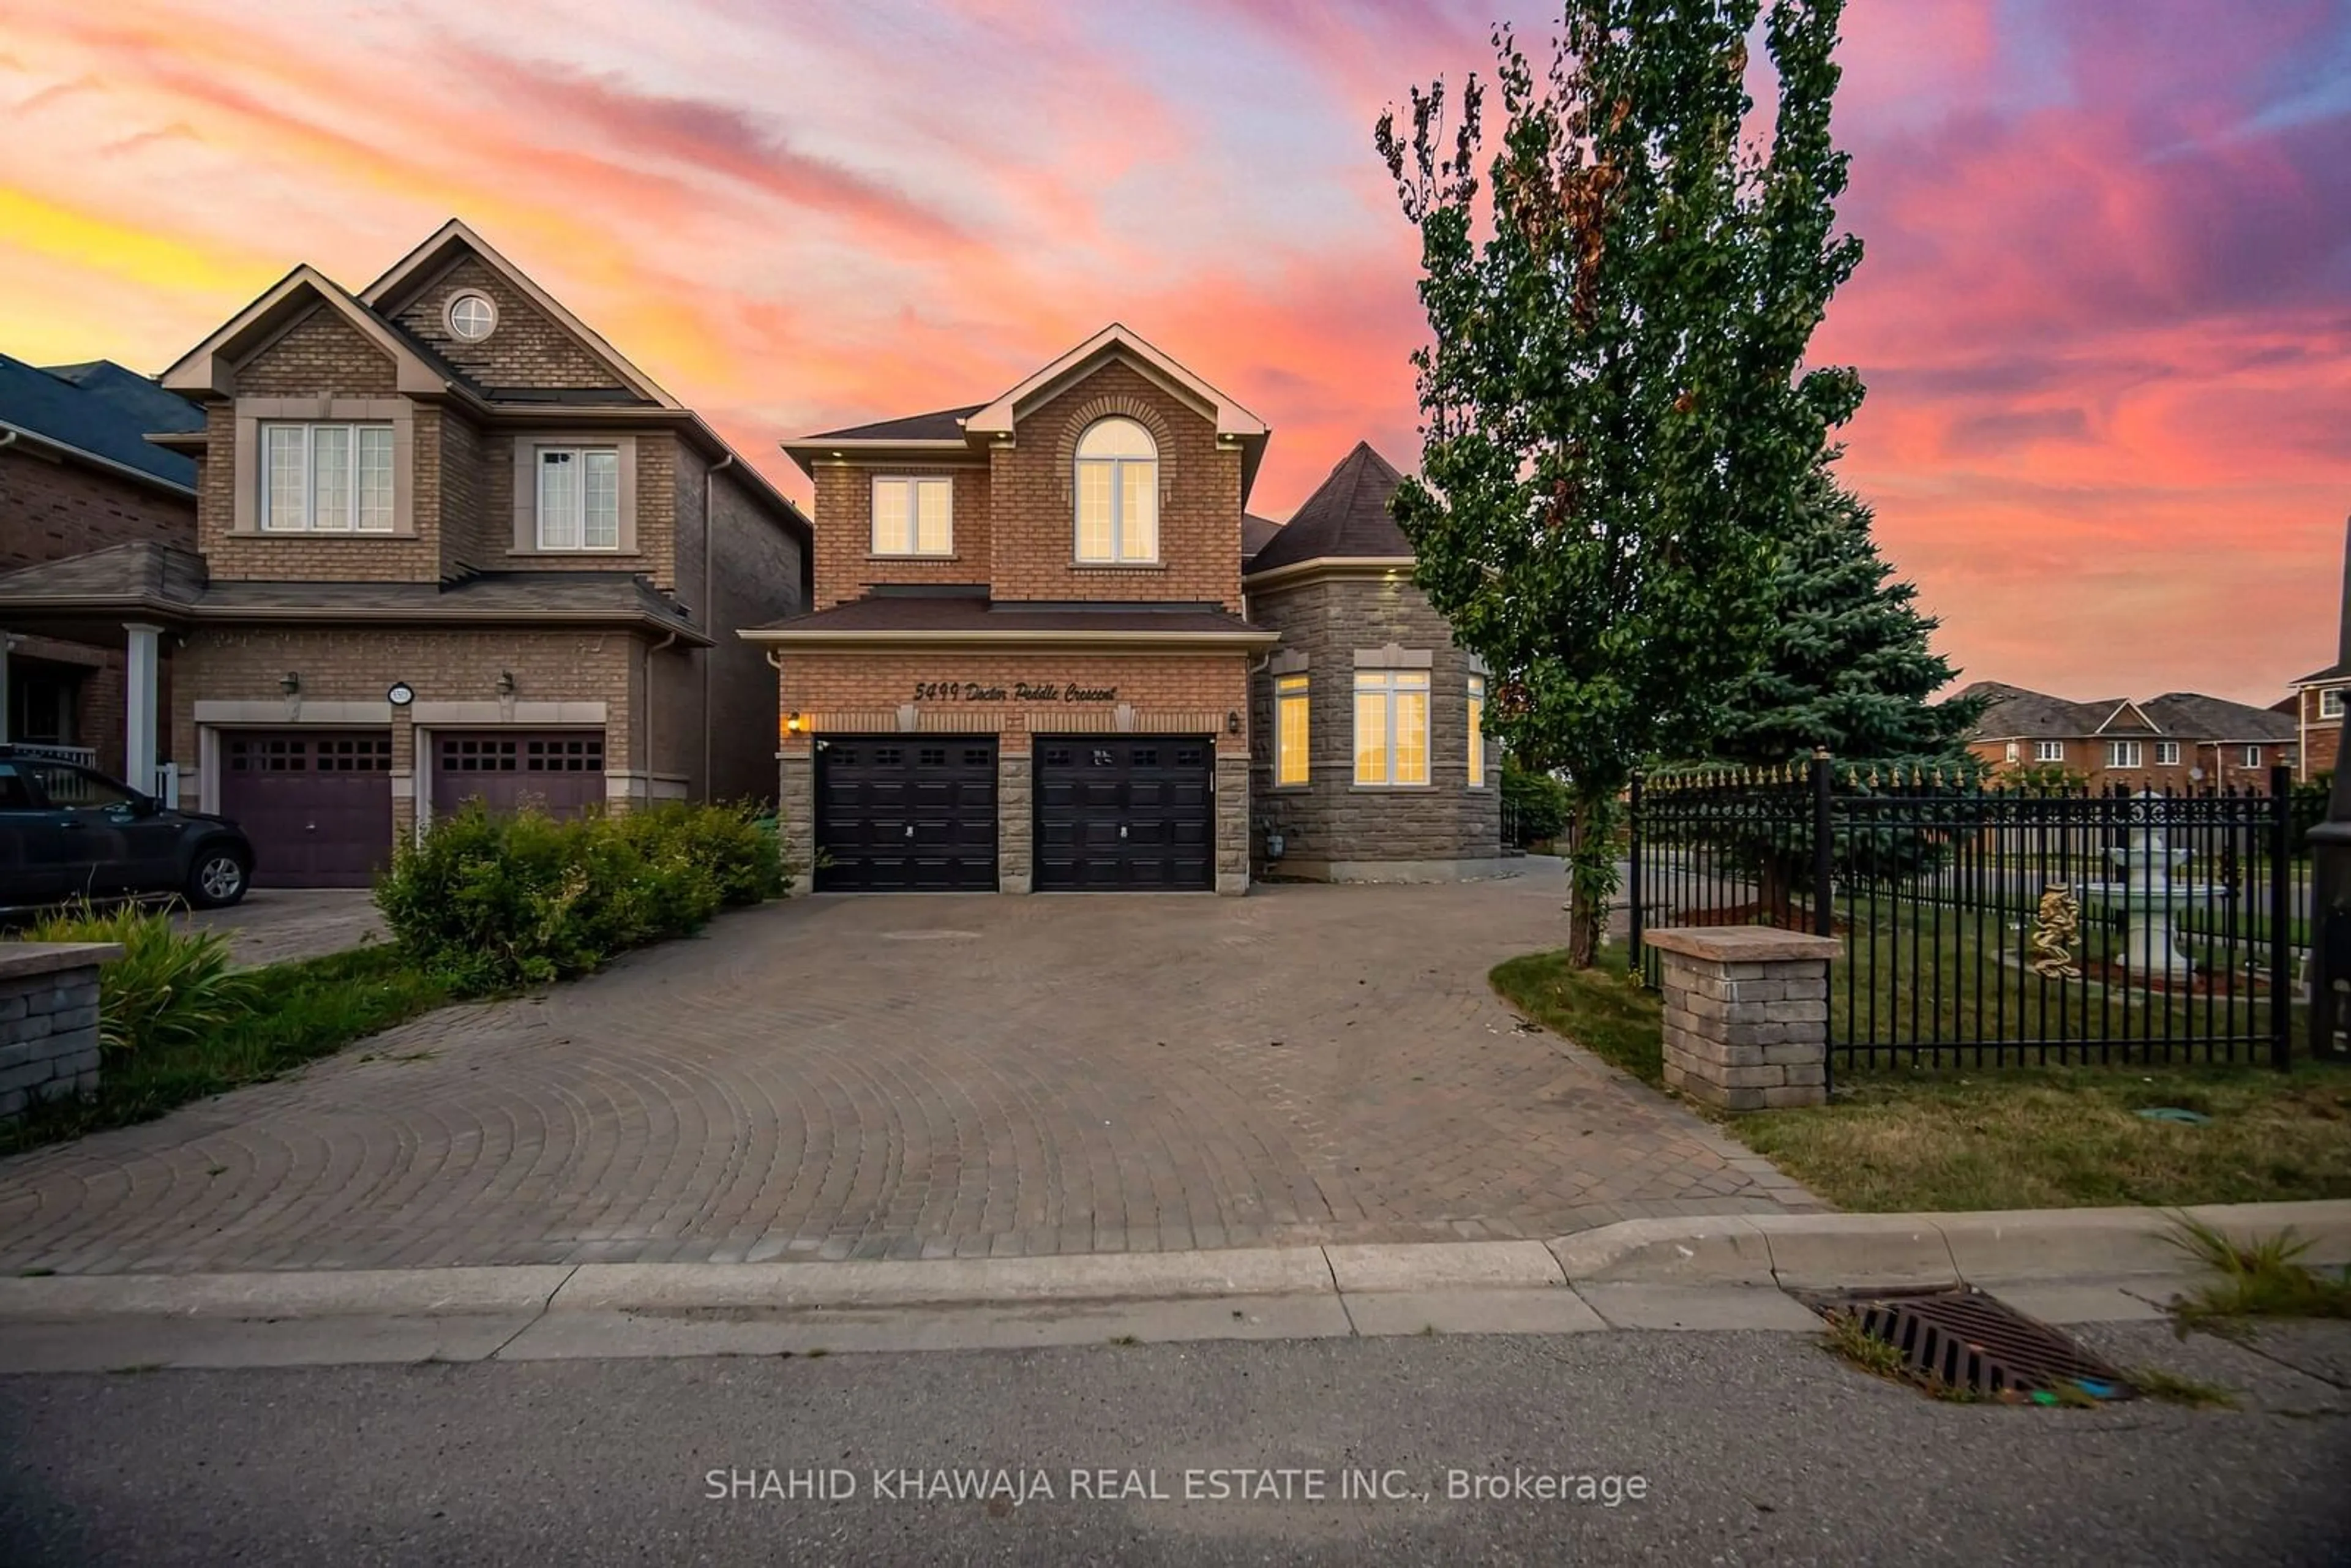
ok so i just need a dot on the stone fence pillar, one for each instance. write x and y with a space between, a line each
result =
1747 1014
48 1020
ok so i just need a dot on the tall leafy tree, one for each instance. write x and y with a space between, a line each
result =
1618 417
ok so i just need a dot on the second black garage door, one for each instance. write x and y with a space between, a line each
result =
1125 812
906 814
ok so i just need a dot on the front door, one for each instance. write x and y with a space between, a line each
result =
1125 812
906 813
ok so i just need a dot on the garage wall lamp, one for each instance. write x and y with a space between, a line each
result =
792 723
290 682
1233 722
505 683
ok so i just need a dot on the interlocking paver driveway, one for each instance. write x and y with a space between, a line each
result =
925 1077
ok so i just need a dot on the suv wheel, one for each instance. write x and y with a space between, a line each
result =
218 878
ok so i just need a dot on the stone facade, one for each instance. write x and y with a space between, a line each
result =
48 1022
1332 829
1746 1015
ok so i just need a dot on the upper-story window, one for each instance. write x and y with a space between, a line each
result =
2330 702
579 497
914 517
1118 494
326 479
2167 754
2048 751
2122 753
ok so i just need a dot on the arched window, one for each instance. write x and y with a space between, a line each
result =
1118 494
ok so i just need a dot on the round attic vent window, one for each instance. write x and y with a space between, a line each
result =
471 316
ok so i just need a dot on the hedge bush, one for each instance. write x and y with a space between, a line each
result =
490 901
169 986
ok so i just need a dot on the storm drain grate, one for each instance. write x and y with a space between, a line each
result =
1965 1340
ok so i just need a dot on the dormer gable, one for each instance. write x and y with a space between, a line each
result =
305 300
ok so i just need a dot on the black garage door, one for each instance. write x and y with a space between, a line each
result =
561 772
906 814
1126 812
317 807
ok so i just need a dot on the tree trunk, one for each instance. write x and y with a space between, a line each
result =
1591 877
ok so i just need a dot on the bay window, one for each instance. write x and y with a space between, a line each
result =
1289 730
1391 727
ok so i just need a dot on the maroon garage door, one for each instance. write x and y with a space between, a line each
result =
317 806
561 772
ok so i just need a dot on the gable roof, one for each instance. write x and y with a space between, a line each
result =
209 368
1346 518
99 411
417 269
1231 419
2012 713
2015 713
2193 714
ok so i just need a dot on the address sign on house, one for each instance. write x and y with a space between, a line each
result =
1017 692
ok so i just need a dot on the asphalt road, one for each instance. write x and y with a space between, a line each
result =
1744 1448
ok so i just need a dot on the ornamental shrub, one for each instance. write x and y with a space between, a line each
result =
488 901
1538 800
168 987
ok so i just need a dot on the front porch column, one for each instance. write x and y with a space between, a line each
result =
139 691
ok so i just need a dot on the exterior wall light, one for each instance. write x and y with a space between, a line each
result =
792 723
289 682
505 683
1233 722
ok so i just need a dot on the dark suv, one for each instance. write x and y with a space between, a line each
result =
68 832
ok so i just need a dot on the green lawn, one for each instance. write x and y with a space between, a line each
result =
300 1011
1899 1139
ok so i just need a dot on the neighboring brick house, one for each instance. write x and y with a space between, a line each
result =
2180 740
1364 654
2316 712
1030 664
77 474
449 543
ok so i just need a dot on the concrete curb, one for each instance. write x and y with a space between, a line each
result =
1765 1251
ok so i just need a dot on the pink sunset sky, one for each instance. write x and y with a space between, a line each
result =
2104 315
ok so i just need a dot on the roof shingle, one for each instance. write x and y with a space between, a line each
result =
1346 516
101 409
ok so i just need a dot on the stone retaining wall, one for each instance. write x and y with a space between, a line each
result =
48 1020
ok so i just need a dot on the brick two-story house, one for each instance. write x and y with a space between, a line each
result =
449 542
2180 740
77 474
1031 658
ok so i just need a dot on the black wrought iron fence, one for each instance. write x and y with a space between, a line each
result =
1985 923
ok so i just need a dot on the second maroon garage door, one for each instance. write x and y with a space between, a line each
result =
317 806
560 771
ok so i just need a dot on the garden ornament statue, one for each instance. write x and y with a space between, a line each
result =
2056 927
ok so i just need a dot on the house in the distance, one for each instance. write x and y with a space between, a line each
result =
447 543
77 474
2315 711
2180 740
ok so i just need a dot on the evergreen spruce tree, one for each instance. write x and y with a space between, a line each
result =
1849 667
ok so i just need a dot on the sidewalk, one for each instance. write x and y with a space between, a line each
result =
1703 1274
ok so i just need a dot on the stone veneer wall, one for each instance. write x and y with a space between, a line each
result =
48 1020
1333 830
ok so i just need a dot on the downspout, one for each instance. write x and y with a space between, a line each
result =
709 609
663 646
7 441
